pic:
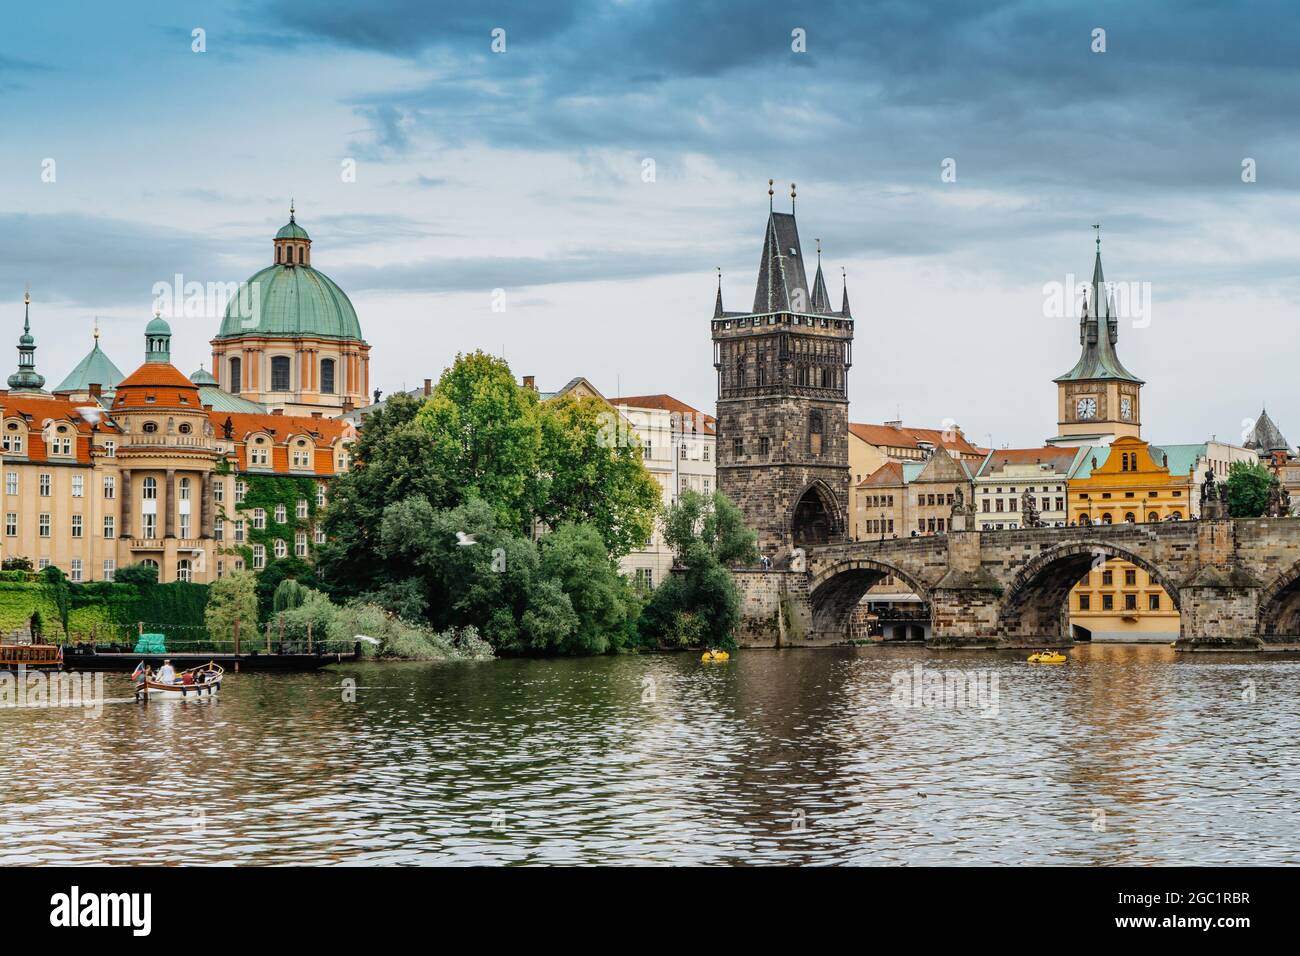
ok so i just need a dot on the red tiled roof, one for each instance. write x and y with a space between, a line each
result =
904 437
325 434
666 403
1059 459
36 410
164 383
890 473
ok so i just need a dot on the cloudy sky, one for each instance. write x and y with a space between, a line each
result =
525 170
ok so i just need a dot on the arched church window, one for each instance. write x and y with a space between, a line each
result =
327 376
280 373
236 382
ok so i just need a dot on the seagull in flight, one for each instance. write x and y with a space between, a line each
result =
465 540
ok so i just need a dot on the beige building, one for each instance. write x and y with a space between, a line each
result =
1007 475
908 499
871 446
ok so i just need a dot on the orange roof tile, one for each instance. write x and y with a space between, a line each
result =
666 403
890 473
904 437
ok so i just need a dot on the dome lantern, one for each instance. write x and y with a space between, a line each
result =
292 244
158 340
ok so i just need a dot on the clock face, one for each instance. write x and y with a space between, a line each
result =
1087 408
1126 408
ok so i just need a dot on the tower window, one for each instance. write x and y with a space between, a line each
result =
327 376
280 373
302 253
815 431
236 382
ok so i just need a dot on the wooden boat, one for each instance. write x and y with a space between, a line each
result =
206 683
32 656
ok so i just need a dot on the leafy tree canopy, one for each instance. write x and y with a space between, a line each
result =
1248 488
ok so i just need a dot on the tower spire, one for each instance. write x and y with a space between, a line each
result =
26 379
291 209
717 305
844 299
792 199
770 194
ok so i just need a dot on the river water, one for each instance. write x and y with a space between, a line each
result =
1124 755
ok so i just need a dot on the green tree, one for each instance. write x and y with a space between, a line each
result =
59 592
141 575
1248 487
590 473
485 437
289 594
276 572
574 557
230 599
16 563
713 521
392 461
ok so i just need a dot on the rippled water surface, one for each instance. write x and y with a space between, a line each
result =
1125 755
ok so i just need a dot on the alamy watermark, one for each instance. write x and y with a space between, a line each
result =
45 688
1130 301
923 688
209 300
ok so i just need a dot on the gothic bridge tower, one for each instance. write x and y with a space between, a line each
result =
783 400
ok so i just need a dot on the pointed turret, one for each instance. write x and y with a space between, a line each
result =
1099 360
782 282
717 305
844 296
26 379
1266 438
821 300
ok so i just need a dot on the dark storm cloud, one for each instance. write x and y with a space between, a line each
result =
1012 90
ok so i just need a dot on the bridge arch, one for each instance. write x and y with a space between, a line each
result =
1036 603
837 590
815 517
1279 605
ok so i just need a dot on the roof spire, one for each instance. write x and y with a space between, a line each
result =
792 199
821 301
291 209
27 306
1097 227
717 305
26 378
844 301
769 195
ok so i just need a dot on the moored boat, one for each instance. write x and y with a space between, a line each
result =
31 656
204 681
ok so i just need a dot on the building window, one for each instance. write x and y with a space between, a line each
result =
110 569
13 441
239 531
76 526
110 486
44 524
259 518
11 483
302 508
148 525
241 489
1085 602
281 549
236 383
300 544
185 489
280 373
1107 578
1130 602
705 449
737 447
221 569
815 432
301 455
1108 602
78 486
320 495
219 529
149 427
110 449
259 454
149 489
109 526
259 557
327 376
42 564
184 428
11 524
320 535
45 485
1130 577
681 451
75 575
1153 602
185 526
183 569
219 491
281 513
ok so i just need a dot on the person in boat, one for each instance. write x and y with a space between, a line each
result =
187 678
166 673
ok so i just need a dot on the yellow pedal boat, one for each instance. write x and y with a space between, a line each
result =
1047 657
714 656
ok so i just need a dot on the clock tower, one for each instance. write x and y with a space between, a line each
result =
1098 400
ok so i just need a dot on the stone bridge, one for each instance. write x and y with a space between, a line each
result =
1236 583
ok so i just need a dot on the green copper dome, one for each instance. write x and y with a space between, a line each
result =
158 326
95 369
291 230
203 377
291 301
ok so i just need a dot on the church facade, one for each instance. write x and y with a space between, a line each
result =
156 466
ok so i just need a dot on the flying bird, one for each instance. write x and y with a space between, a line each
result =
464 540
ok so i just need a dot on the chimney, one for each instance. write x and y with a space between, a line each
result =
207 408
315 414
530 382
94 389
277 411
347 405
428 387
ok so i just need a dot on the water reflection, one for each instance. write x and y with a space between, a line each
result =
1126 755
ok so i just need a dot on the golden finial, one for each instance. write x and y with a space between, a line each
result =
95 329
27 293
157 312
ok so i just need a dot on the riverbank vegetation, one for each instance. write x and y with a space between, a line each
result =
483 507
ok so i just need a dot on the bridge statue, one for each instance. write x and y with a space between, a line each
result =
1029 511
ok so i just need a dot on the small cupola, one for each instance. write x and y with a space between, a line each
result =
158 340
292 244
